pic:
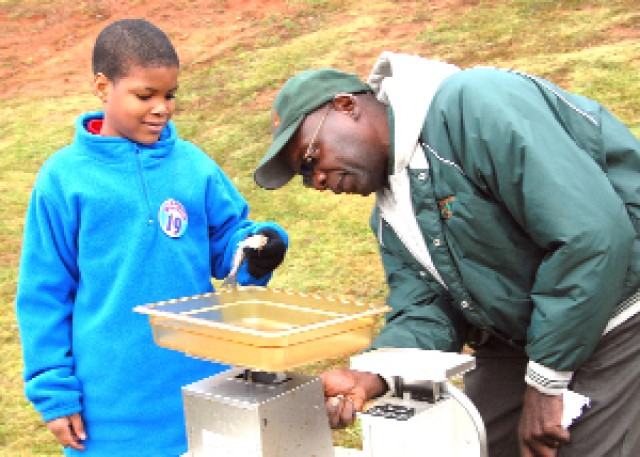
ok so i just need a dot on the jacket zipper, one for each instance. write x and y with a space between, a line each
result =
143 185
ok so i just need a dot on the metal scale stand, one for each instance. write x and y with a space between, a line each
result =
257 414
260 409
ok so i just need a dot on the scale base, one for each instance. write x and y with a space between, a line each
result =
228 416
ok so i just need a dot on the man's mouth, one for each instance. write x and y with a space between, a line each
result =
339 187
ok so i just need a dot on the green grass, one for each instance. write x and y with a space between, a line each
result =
591 47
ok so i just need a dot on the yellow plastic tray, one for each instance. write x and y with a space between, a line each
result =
263 329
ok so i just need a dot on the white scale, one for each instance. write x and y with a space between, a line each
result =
259 408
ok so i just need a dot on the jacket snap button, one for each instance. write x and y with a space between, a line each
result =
465 304
423 274
422 176
436 242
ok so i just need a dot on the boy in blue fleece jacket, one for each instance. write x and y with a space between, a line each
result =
127 214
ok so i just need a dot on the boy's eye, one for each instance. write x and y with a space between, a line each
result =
144 98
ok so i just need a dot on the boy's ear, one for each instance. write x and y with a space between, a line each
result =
101 86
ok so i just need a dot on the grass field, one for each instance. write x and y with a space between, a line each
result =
235 57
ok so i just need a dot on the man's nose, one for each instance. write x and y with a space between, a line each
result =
319 180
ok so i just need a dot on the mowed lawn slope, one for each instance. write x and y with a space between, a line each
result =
235 55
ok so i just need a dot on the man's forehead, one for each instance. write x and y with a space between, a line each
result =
298 137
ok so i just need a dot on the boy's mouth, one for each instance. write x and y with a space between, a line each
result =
155 127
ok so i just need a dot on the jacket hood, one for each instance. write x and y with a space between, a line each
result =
407 83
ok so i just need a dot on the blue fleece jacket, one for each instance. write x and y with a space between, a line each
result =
111 225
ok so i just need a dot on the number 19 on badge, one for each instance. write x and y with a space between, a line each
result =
172 218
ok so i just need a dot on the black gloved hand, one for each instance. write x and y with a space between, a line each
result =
261 262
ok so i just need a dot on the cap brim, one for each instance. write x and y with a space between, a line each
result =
273 171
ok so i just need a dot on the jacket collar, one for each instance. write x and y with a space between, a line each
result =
113 148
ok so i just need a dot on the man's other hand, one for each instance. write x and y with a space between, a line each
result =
540 431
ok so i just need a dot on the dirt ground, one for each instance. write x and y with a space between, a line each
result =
45 47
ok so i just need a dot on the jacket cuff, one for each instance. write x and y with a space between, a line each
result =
547 380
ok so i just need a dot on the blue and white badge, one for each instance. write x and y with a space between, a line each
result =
172 218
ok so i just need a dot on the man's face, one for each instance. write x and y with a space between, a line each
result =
348 153
138 106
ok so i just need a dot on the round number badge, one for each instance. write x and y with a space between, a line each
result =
172 217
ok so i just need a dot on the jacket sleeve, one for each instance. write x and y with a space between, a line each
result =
229 224
421 314
518 143
47 284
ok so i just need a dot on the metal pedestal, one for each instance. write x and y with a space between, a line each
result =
228 416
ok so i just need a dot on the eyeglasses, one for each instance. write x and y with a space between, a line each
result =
310 159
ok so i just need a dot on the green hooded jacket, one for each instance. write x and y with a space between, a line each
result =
529 208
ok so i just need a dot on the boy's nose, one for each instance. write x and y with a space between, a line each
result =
161 108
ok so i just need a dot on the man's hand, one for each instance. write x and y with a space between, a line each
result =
345 392
262 261
540 430
69 431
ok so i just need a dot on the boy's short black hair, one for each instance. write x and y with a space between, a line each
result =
131 42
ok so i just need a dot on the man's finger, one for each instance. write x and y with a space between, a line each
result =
553 443
332 411
348 412
340 411
544 448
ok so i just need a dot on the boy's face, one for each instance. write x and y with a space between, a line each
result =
138 106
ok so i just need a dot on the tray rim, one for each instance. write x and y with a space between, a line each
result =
150 310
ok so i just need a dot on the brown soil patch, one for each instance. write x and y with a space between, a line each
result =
45 47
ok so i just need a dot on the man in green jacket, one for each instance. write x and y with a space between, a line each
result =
507 219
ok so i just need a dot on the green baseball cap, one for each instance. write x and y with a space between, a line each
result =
300 95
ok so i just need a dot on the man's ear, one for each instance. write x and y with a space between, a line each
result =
346 103
101 86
